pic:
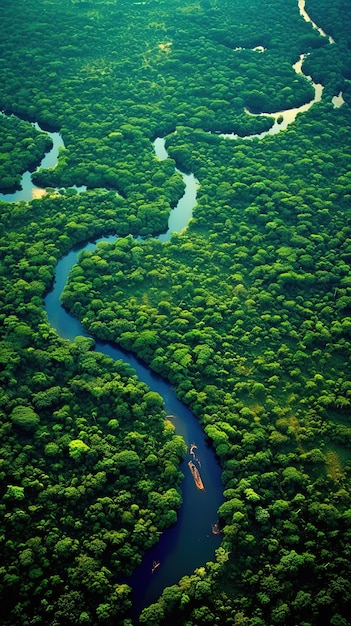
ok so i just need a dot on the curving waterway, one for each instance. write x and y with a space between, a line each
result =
190 542
306 17
282 119
28 190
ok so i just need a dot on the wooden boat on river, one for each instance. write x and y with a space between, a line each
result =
155 565
196 476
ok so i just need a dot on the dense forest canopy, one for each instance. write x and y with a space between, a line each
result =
247 312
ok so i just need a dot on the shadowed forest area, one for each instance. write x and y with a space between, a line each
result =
247 312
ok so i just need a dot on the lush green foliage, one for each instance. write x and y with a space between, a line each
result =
247 312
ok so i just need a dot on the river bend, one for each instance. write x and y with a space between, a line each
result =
190 542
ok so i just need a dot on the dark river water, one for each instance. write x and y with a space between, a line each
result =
190 542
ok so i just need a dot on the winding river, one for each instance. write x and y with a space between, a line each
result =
28 190
190 542
306 17
282 119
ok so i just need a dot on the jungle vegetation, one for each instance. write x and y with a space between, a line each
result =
247 312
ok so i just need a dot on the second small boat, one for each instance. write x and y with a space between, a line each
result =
155 565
